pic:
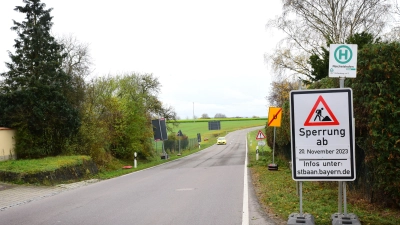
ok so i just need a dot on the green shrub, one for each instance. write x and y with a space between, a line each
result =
376 96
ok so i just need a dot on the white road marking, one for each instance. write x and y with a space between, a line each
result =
245 216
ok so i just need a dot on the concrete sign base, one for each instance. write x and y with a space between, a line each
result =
349 218
297 218
272 166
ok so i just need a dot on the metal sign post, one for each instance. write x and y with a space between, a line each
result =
162 138
340 183
300 218
273 147
339 217
343 64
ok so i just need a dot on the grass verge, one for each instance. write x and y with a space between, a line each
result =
30 166
276 190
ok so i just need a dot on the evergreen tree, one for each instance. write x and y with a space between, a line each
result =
33 93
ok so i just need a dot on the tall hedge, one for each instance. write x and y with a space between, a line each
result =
376 96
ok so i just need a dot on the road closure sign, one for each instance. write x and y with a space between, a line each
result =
322 135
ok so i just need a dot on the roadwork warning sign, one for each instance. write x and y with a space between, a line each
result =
322 135
317 115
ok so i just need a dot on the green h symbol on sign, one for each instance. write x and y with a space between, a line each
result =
343 54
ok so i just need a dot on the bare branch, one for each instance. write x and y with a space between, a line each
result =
311 24
77 62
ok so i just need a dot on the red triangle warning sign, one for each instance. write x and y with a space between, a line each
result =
260 135
318 117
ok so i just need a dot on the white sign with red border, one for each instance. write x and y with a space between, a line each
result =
260 135
322 135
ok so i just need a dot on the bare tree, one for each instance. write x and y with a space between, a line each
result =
394 34
220 115
280 91
77 64
78 61
204 116
311 24
396 7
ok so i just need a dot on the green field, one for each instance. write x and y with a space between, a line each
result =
191 128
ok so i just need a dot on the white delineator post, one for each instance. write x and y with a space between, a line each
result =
135 161
257 153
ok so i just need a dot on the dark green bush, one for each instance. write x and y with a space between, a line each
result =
376 99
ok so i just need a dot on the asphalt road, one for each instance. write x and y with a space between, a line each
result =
208 187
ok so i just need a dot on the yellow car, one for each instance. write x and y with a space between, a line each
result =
221 141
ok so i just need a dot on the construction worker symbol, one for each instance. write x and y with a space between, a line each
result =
321 114
320 117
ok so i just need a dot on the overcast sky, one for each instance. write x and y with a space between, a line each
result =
208 54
